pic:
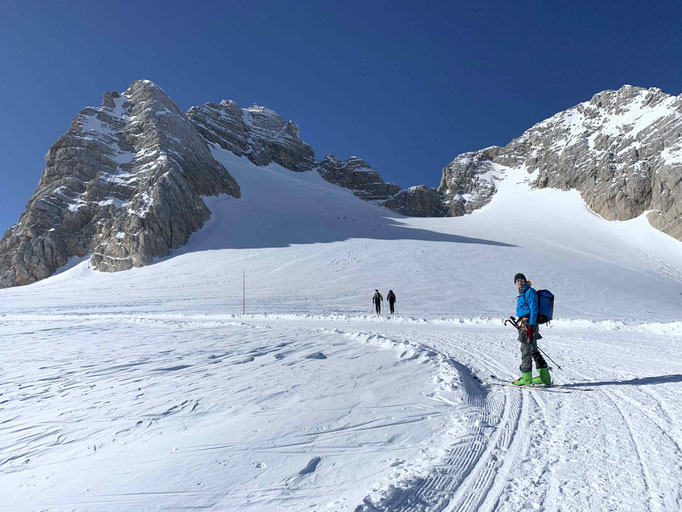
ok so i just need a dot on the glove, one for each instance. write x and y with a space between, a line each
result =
530 331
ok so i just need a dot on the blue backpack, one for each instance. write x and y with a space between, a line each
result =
545 306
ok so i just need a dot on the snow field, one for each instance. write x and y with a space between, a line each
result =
145 414
146 390
399 416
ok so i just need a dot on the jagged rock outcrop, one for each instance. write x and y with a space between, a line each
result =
263 136
622 151
357 175
256 132
466 184
123 184
419 201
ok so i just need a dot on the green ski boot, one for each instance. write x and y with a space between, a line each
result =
543 378
524 380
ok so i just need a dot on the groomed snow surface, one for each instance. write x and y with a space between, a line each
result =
148 389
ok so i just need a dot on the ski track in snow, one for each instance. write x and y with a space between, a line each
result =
511 449
141 391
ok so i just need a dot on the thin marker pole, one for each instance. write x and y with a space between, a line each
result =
243 292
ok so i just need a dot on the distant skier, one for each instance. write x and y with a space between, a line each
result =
527 313
391 300
377 298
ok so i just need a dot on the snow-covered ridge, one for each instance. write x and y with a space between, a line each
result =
124 185
621 150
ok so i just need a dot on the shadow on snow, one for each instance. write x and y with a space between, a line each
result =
640 381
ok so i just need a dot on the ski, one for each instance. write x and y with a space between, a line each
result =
560 388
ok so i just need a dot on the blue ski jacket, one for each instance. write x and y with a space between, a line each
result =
527 304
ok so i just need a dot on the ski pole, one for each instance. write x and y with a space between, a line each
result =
553 361
513 321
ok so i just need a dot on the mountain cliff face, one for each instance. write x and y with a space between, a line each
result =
622 151
125 183
419 201
262 136
357 175
466 184
256 132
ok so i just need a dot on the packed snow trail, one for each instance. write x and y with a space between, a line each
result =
612 442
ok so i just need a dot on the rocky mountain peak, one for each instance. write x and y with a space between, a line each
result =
123 184
615 100
467 182
622 150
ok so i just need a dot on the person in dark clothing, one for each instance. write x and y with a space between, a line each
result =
527 313
377 299
391 300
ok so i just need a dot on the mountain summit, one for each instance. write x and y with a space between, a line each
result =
125 184
622 151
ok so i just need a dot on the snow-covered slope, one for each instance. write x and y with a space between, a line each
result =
123 184
622 150
147 390
305 243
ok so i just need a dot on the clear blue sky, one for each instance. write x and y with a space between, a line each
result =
405 85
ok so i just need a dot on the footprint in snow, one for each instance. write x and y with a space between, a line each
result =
310 467
316 355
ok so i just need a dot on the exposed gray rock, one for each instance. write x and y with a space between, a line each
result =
357 175
420 201
263 136
622 151
466 183
124 184
257 132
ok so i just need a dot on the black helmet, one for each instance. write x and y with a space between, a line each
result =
519 276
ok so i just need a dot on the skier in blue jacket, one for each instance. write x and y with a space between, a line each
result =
527 313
